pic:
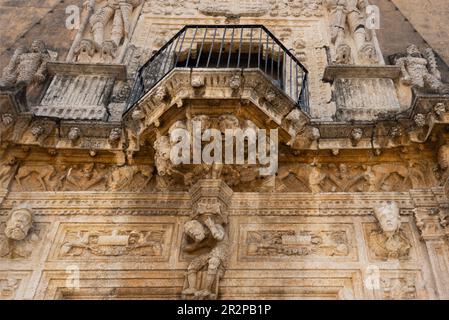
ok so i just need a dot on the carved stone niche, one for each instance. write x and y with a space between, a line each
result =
206 238
364 93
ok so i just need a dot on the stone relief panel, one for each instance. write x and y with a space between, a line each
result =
402 285
311 242
381 247
11 283
106 241
8 288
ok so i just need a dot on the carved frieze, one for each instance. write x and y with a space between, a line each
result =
232 8
343 177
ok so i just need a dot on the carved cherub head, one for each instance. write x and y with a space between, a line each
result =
19 224
439 109
343 54
74 134
368 54
37 131
195 230
115 135
356 136
235 82
388 216
86 47
420 120
108 51
160 94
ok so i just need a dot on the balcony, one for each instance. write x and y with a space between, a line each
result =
226 47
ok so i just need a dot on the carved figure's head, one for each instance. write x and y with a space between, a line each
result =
38 46
195 230
388 216
115 134
74 133
412 50
19 224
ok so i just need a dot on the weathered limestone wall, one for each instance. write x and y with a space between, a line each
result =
92 207
24 21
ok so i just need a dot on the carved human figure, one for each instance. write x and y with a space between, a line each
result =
7 169
26 66
117 12
316 177
17 238
211 235
421 72
350 13
84 177
443 162
390 241
162 160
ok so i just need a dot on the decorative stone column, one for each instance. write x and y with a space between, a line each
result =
432 224
206 238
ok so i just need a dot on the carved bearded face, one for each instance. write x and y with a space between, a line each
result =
388 216
38 46
18 224
195 230
413 51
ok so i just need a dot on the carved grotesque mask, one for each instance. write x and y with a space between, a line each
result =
195 230
388 216
19 224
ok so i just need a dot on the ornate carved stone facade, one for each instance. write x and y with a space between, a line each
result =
92 205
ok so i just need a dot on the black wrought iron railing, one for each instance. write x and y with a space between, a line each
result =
226 46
